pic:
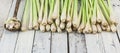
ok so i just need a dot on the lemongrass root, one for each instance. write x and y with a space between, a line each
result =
41 11
44 21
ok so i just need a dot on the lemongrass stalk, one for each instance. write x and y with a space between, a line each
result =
68 11
99 14
88 28
42 28
55 13
83 21
106 7
69 22
57 21
51 4
98 28
75 14
48 27
104 10
61 4
13 24
31 17
41 11
53 27
112 15
35 18
25 17
104 21
64 11
94 28
38 6
93 18
44 21
62 25
79 16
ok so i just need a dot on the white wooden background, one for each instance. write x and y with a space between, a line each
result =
38 42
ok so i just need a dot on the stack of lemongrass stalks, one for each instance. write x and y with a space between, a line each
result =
83 16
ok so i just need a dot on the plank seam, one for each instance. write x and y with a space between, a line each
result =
68 42
51 42
118 36
33 42
16 41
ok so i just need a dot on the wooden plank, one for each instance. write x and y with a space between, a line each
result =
111 43
42 42
25 42
8 40
94 43
25 39
77 43
5 7
110 40
59 43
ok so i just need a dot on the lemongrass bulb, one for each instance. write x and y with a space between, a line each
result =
44 21
69 24
69 30
93 20
50 21
108 29
57 22
68 18
94 28
48 27
59 30
42 28
53 28
62 25
113 28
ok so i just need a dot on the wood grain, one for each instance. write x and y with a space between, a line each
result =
77 43
42 42
59 43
